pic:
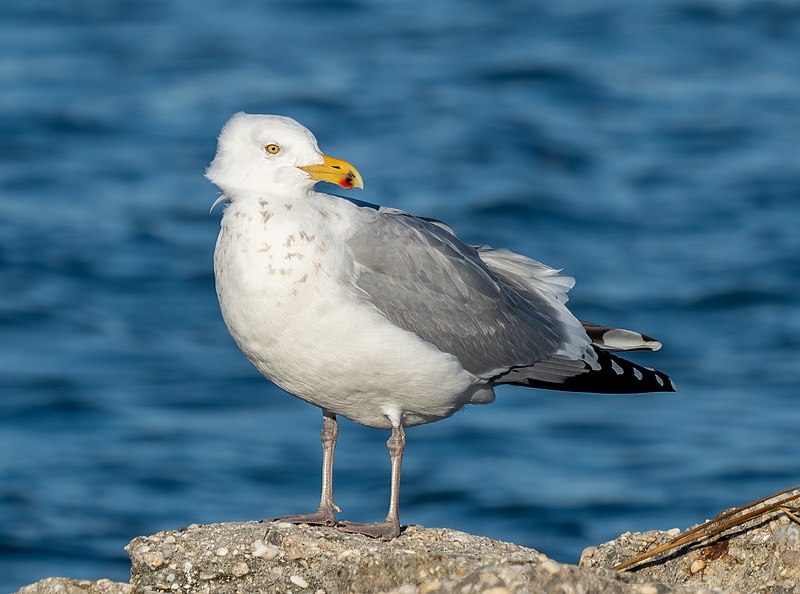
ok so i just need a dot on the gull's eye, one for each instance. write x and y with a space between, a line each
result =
272 149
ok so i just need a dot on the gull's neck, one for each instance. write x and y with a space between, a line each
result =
271 194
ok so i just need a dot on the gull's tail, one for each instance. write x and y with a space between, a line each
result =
599 370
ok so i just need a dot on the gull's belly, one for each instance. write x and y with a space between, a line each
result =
289 306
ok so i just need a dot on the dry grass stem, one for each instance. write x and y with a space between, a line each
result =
790 514
721 523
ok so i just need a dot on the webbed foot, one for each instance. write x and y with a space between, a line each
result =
324 516
385 530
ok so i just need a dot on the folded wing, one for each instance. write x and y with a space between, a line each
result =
501 314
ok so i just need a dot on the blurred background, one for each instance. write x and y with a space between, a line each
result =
650 149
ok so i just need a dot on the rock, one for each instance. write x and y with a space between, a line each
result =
285 558
759 556
697 565
67 586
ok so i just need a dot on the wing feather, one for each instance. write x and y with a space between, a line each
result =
425 280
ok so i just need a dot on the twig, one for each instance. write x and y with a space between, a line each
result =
719 524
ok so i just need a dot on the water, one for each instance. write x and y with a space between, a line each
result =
649 149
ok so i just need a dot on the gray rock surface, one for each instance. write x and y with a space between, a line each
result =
760 556
251 557
67 586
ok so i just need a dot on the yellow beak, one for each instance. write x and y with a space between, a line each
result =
335 171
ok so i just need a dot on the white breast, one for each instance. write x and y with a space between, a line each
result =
284 282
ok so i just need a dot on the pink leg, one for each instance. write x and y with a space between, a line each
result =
390 527
326 513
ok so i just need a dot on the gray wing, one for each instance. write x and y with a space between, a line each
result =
423 279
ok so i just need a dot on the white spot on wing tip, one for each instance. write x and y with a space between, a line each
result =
628 340
637 373
660 380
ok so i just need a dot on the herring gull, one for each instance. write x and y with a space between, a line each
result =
382 317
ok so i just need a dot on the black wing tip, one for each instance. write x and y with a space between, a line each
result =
614 376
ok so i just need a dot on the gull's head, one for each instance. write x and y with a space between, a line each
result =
268 153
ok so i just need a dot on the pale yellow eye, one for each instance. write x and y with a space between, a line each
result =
272 149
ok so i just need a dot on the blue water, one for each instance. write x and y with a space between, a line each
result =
650 149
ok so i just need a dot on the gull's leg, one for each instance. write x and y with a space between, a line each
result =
390 527
326 514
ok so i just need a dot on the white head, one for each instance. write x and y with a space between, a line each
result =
267 153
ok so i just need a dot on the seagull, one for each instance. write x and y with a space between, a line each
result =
382 317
